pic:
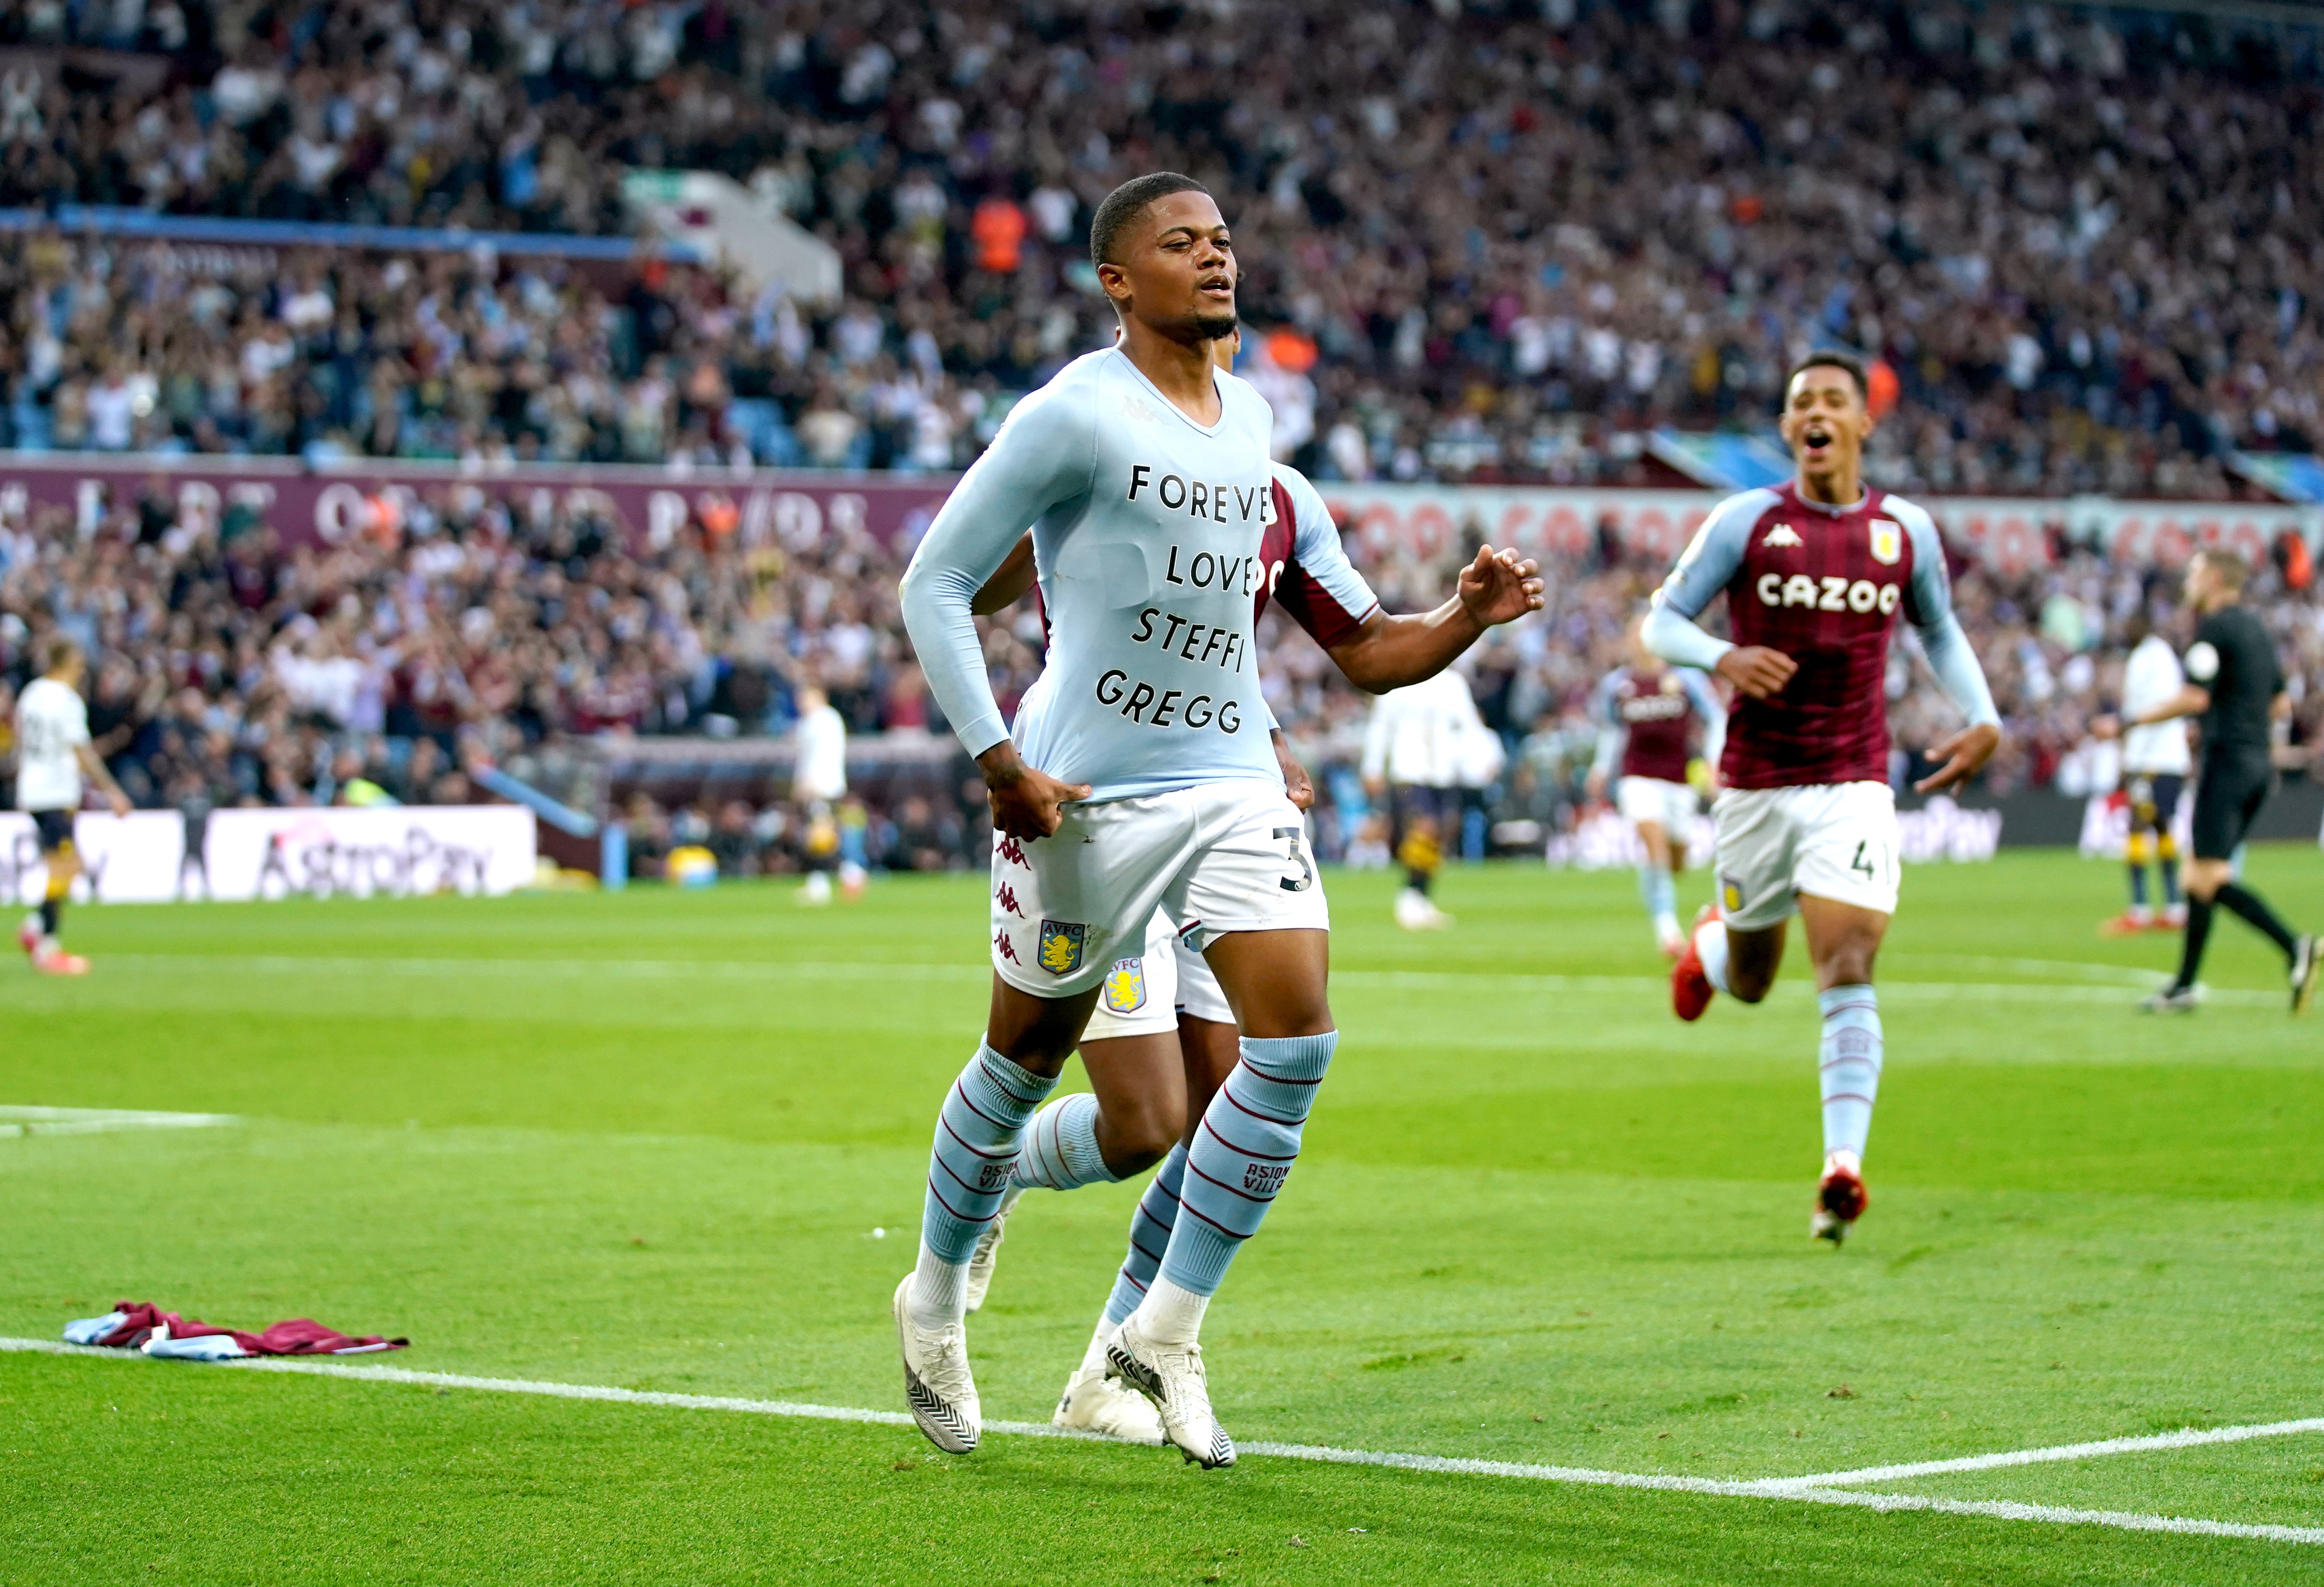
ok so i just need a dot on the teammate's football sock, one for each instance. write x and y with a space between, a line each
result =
1710 948
1172 1314
1060 1150
2190 952
52 914
1149 1237
2253 908
1243 1151
978 1134
1848 1065
1421 857
1661 896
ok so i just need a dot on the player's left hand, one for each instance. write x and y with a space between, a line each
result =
1295 782
1966 754
1500 586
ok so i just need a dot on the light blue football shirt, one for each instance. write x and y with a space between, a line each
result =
1146 547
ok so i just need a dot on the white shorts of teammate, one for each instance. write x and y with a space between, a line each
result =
1669 805
1143 996
1836 840
1220 857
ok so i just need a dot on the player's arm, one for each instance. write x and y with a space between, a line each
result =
1007 587
1613 734
1041 457
1952 658
2190 698
93 767
1707 567
1714 711
1321 591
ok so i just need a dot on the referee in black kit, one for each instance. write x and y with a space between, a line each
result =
2235 686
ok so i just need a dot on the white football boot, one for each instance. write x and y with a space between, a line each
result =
988 1249
1097 1403
936 1381
1416 911
1171 1376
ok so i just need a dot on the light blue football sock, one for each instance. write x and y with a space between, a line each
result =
1710 948
1243 1151
1656 889
1060 1150
1849 1064
978 1134
1149 1236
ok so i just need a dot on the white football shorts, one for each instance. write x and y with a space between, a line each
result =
1199 992
1219 857
1836 840
1670 805
1140 994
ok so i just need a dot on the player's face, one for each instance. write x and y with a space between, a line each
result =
1825 419
2201 585
1177 270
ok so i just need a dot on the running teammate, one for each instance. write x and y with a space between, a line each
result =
1137 774
1815 573
2236 686
1647 712
2154 766
54 761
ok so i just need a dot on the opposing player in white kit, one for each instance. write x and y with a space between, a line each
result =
1138 775
53 763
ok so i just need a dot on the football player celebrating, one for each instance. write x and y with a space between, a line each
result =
1816 572
1647 713
1136 776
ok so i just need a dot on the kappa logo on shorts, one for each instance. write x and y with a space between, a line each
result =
1731 895
1062 941
1125 986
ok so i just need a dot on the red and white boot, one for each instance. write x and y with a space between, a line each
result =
1841 1196
1691 989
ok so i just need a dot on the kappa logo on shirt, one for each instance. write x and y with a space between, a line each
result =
1782 534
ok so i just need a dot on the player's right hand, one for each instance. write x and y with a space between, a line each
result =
1025 801
1758 672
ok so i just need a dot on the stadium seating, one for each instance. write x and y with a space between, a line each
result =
1504 250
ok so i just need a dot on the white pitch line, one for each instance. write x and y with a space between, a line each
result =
2004 992
2184 1439
18 1121
1792 1489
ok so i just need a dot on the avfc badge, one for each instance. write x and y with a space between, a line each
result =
1730 896
1125 986
1060 945
1887 541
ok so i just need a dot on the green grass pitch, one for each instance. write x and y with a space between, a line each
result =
645 1140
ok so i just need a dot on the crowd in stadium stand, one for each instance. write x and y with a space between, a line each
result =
227 672
1485 242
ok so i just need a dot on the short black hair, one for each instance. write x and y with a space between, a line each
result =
1126 202
1832 361
1848 362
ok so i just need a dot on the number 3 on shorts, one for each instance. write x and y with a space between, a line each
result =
1306 877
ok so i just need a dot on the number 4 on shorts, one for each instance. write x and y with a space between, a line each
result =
1861 862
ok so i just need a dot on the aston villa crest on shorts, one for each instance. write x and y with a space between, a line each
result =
1731 895
1060 952
1125 986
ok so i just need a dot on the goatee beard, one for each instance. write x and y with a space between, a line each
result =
1213 327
